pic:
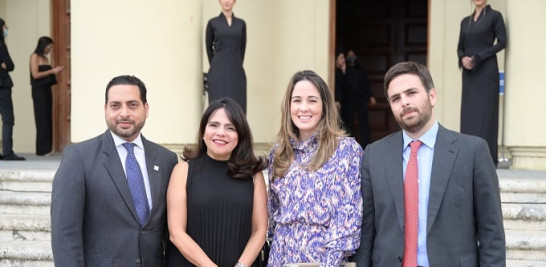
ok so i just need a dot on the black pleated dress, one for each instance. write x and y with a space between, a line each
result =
480 96
219 212
226 46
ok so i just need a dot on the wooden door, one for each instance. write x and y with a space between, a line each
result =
60 11
382 33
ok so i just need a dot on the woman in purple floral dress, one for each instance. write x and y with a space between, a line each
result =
315 202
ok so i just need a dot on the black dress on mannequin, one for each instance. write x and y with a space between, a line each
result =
226 51
480 96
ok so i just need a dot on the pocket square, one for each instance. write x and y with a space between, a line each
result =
156 168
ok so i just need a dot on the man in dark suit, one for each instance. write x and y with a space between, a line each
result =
108 209
357 93
457 217
6 103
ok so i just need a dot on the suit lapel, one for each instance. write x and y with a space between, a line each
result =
445 153
113 165
395 177
152 165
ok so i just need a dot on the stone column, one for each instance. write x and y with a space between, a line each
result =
525 79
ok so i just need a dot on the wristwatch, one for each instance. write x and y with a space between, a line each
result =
240 264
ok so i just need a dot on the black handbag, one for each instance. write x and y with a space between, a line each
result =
264 255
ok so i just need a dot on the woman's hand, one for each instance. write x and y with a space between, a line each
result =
468 62
4 66
58 69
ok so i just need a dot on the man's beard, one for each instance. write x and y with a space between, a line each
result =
126 132
422 119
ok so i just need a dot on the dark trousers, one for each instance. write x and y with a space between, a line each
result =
6 110
43 102
356 104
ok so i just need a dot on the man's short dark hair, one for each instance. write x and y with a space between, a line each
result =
127 80
408 67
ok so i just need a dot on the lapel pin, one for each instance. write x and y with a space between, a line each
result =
156 168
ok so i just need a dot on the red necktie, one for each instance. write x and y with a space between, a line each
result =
411 207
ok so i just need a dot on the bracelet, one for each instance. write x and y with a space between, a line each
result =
240 264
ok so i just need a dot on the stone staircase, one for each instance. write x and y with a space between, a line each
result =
25 197
524 211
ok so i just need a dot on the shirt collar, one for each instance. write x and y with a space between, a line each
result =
305 146
428 138
118 141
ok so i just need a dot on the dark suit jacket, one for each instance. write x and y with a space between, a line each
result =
464 204
5 79
93 218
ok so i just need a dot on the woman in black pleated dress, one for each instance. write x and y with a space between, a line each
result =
225 43
42 77
477 51
216 200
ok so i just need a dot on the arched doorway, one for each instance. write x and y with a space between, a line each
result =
382 33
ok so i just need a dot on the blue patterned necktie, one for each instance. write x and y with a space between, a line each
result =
136 184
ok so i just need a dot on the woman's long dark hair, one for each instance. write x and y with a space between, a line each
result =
43 42
2 23
242 163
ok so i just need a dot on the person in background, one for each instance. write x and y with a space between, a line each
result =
225 40
216 201
431 196
108 203
341 67
482 36
42 77
357 93
315 204
6 104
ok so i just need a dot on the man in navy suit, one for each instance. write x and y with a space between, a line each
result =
459 209
94 221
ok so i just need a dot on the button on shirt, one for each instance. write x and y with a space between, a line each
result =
424 161
140 157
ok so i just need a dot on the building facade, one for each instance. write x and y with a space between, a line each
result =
162 42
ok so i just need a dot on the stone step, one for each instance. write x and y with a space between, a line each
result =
25 263
532 212
25 222
24 209
524 197
520 184
26 180
24 186
510 224
524 216
526 245
518 263
27 175
22 235
24 203
29 253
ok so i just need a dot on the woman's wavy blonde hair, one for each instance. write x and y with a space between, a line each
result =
328 130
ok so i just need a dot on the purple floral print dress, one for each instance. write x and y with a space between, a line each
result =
316 216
